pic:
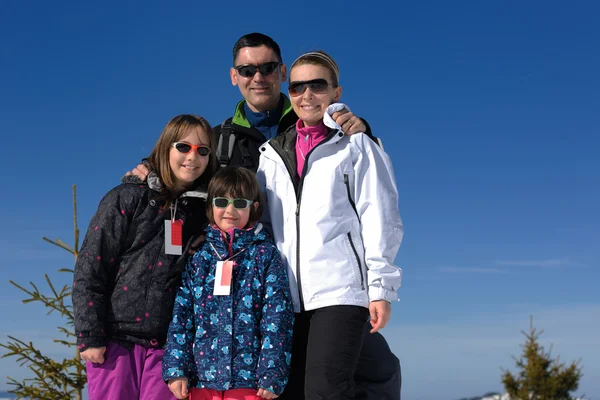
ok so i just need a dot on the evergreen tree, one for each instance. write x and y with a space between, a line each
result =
52 379
540 377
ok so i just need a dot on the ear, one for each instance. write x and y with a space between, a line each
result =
283 73
233 75
338 94
255 205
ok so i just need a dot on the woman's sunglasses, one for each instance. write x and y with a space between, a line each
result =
248 71
185 148
317 86
224 202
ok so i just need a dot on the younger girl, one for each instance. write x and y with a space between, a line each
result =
333 206
231 333
126 273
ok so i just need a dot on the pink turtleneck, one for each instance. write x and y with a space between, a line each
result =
308 137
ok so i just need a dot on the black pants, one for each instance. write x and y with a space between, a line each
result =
377 374
325 352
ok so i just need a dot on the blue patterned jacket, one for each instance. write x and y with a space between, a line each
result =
242 340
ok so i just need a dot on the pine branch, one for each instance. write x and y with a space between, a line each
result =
75 228
52 380
60 244
66 270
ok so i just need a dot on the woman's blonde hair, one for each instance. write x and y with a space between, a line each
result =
321 58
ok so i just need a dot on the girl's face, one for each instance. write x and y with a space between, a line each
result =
230 217
310 106
189 166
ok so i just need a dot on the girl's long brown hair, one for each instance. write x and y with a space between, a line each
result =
176 129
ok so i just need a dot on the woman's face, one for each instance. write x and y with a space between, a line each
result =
310 106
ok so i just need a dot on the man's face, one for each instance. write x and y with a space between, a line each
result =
260 91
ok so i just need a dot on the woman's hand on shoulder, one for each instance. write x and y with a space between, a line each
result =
94 355
381 311
265 394
179 387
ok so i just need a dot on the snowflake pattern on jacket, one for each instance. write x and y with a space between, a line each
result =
242 340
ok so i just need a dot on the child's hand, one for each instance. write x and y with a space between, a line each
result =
380 311
93 354
179 387
265 394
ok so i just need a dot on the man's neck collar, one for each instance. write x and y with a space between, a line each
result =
276 106
239 117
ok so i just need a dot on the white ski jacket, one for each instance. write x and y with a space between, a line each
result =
338 227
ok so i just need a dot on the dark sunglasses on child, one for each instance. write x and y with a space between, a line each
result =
185 148
317 86
248 71
224 202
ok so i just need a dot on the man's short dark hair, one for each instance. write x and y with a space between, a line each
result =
256 40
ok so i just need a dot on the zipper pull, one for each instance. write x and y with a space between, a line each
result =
298 210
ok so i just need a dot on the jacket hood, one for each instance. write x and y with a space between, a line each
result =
153 182
328 120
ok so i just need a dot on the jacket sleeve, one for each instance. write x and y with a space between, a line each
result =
369 133
96 266
382 230
265 217
276 327
178 356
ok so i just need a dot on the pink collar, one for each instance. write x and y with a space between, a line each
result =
315 132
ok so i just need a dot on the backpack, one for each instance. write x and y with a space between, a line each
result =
226 143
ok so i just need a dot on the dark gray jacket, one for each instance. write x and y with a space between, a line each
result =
124 283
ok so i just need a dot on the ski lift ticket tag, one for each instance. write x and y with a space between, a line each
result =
173 237
223 278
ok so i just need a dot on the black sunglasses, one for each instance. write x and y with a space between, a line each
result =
224 202
317 86
248 71
185 148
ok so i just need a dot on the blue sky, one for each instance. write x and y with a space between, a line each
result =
489 111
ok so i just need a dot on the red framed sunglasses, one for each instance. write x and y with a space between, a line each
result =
185 148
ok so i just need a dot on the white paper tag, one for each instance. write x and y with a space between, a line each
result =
173 243
223 278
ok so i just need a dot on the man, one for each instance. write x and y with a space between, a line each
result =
265 112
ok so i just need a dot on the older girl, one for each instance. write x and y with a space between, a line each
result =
127 270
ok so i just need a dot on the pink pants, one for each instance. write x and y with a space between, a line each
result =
233 394
128 374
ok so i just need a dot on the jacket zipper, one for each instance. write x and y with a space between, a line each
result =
350 197
360 272
291 172
298 189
